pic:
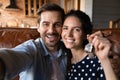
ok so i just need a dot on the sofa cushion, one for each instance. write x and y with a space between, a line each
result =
10 37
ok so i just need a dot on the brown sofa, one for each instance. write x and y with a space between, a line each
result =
114 36
10 37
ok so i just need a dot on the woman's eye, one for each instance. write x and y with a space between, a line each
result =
64 28
77 29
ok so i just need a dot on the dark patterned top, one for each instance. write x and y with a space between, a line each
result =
87 69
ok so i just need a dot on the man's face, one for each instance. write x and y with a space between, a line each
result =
50 28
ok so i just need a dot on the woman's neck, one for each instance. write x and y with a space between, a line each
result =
77 55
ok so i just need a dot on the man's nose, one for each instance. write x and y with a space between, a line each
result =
51 29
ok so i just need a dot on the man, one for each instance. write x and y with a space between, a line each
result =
41 59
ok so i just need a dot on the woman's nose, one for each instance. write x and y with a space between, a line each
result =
69 33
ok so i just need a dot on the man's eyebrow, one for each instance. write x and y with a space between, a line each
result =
59 22
45 22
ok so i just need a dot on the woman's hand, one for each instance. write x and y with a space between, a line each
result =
101 44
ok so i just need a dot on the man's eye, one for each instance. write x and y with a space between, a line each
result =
45 24
58 25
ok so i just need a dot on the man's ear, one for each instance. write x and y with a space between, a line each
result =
38 27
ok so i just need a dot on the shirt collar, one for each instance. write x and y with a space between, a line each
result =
58 53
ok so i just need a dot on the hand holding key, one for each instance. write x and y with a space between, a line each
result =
101 44
89 49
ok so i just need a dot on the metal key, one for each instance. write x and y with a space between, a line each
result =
89 49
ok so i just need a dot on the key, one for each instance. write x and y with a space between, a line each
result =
89 49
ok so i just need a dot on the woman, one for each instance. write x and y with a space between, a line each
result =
75 36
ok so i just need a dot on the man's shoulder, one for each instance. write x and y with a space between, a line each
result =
28 43
32 41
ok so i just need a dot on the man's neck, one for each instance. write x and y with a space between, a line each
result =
53 49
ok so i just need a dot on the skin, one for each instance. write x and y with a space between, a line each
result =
72 33
50 28
72 36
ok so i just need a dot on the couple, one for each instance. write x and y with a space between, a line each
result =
46 58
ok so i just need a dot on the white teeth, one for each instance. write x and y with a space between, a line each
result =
69 40
49 36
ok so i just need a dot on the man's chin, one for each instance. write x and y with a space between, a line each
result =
51 45
52 39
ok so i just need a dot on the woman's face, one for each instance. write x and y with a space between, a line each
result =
72 34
